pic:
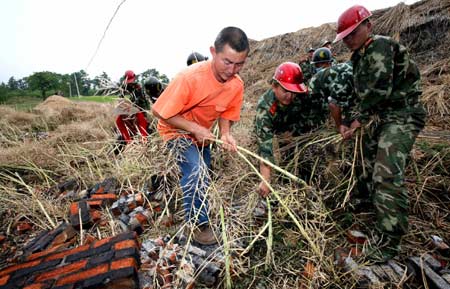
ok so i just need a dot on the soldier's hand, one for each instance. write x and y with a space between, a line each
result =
349 133
355 124
343 130
263 189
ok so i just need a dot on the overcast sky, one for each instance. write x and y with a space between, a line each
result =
62 35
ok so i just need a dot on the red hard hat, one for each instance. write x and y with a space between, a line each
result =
290 76
350 19
130 76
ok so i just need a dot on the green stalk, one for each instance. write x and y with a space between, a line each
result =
290 213
277 168
226 249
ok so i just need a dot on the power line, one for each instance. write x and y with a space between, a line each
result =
104 34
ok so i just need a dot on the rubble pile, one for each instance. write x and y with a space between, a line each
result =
110 263
429 268
168 264
52 259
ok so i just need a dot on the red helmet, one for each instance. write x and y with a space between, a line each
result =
350 19
129 76
290 76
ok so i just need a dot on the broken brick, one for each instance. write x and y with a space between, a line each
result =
34 269
62 271
96 215
124 263
107 199
116 239
89 266
80 210
95 204
126 244
64 236
37 286
83 275
47 239
108 185
63 254
14 268
100 258
48 251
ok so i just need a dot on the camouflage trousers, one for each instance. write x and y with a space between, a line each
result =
386 151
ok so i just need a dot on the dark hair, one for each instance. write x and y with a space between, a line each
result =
233 36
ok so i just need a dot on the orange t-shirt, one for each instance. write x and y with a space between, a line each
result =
196 95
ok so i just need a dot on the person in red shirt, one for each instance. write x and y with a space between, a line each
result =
130 114
200 95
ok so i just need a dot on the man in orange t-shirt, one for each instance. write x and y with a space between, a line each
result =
187 109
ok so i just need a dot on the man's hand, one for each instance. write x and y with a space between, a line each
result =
203 135
263 189
349 133
229 143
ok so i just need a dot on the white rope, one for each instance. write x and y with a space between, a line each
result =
104 34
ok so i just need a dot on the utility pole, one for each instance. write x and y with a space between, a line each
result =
70 89
76 84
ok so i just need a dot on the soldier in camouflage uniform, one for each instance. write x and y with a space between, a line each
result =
327 44
334 83
390 114
137 96
306 66
286 107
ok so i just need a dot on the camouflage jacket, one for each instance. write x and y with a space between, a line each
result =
335 83
138 98
387 81
302 115
308 70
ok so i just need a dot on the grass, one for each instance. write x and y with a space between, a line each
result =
23 103
95 98
26 103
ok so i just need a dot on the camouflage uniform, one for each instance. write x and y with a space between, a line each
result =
335 83
302 115
139 98
387 83
308 70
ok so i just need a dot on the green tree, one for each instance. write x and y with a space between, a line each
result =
22 84
101 82
153 72
82 82
3 92
44 81
12 83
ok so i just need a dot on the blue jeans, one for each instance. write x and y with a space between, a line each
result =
194 163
